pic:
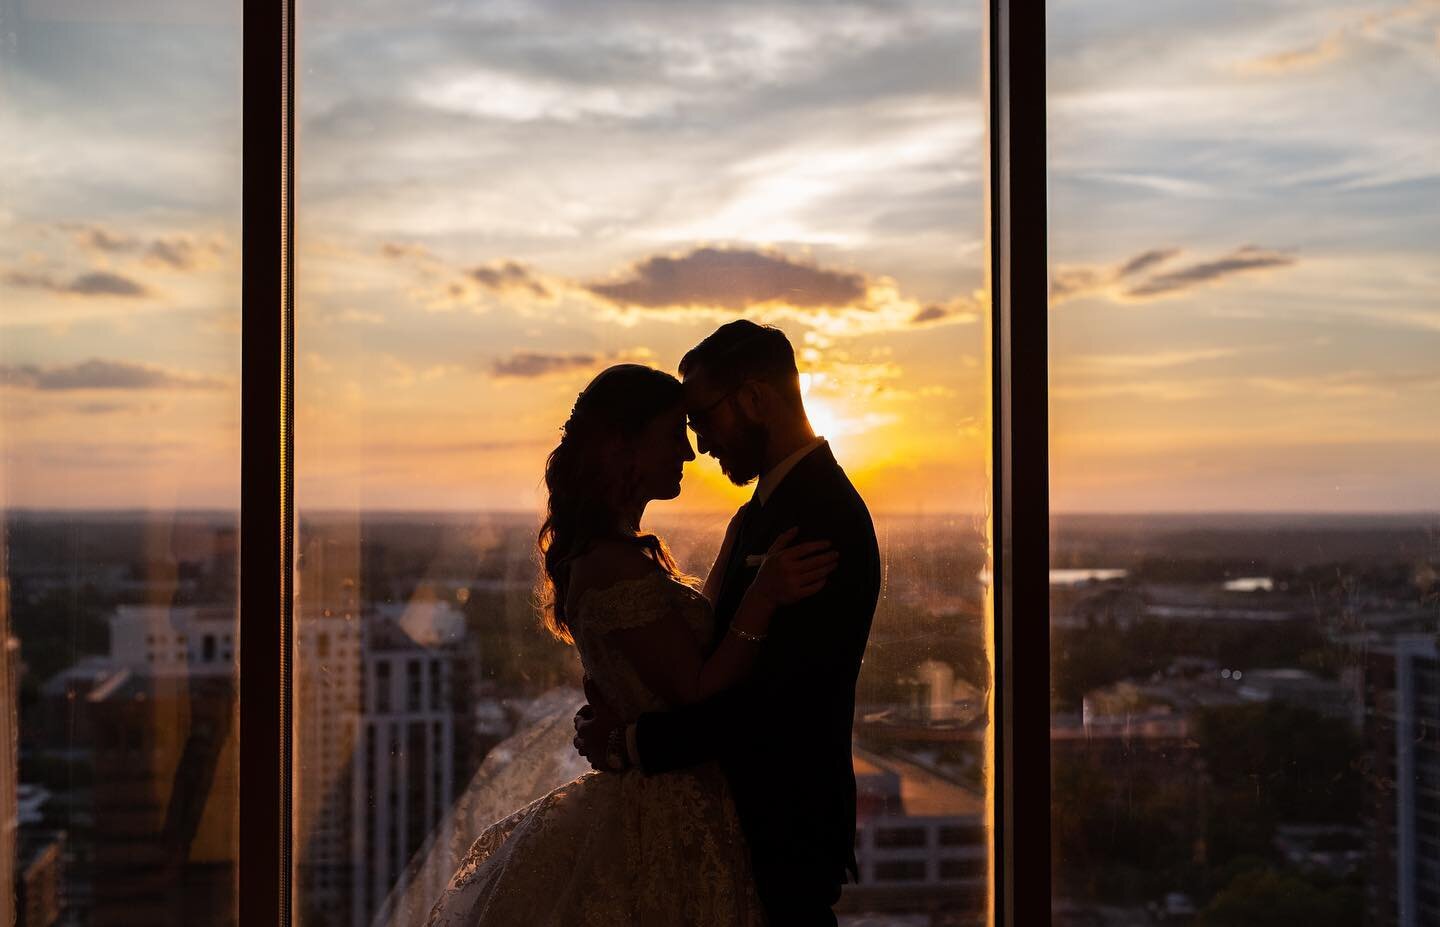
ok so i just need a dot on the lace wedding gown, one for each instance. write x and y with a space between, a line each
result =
611 849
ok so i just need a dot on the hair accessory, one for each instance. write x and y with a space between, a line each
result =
575 411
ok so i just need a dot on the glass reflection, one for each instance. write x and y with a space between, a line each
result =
119 402
1243 330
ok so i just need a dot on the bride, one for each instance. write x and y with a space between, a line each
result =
627 848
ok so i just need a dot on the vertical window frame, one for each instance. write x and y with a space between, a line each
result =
266 604
1017 239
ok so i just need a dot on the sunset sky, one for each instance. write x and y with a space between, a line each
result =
495 200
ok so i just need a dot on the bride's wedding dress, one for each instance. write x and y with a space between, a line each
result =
612 849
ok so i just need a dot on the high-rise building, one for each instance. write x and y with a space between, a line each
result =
376 751
165 801
1402 728
9 733
327 706
162 640
154 721
405 759
1417 780
921 842
327 714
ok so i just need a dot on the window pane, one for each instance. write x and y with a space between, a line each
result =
119 418
495 203
1245 320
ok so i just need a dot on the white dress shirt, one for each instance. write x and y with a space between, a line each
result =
765 488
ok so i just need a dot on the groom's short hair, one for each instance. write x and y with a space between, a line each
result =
742 350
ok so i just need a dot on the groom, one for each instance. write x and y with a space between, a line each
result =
783 736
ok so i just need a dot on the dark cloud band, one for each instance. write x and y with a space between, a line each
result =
95 283
510 277
98 374
1244 260
732 279
530 365
1136 279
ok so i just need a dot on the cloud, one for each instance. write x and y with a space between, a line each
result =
1307 56
532 364
172 252
100 408
402 373
1146 260
98 374
931 313
956 310
182 252
1348 384
706 279
1338 41
421 450
352 316
1070 282
1137 279
94 283
767 282
734 280
1242 260
1326 387
96 238
510 277
105 283
1153 360
449 287
492 94
529 365
1153 390
403 250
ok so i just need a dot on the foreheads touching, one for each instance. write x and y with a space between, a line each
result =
742 356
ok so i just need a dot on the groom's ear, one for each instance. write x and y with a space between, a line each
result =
752 399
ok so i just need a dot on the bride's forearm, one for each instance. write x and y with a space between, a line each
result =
711 587
736 653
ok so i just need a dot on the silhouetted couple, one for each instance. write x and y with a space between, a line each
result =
719 716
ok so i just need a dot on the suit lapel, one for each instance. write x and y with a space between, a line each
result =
737 553
733 582
758 528
797 480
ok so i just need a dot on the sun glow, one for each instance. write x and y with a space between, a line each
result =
828 422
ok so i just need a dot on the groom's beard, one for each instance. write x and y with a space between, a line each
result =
741 461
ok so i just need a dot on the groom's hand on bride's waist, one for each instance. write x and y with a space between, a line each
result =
598 732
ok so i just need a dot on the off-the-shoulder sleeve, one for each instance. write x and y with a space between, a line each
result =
629 603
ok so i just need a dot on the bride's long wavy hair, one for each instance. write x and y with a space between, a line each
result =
590 476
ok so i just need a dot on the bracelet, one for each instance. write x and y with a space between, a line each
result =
747 636
615 750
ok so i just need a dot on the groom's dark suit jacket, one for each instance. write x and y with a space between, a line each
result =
783 736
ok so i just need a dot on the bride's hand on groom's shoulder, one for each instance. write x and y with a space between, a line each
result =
791 572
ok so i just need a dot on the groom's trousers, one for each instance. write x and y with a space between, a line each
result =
800 905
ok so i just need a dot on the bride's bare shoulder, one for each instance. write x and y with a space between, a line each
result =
606 563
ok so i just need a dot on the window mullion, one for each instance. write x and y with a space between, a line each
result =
266 541
1019 378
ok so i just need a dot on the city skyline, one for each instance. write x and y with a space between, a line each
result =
495 202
